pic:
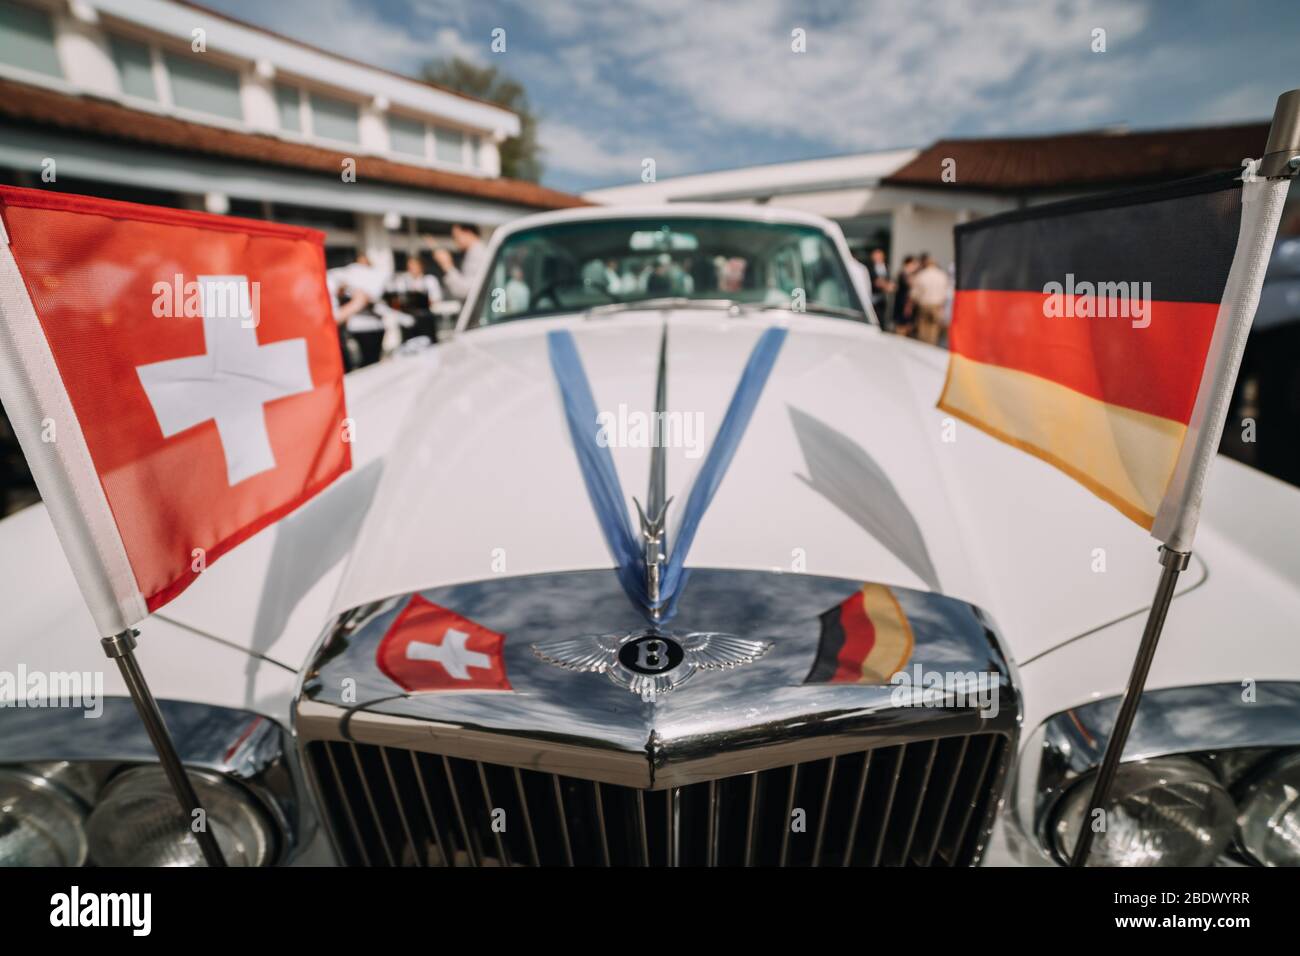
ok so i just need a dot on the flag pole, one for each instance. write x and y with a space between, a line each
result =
1281 160
1173 563
121 648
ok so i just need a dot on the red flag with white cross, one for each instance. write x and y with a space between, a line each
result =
174 379
429 647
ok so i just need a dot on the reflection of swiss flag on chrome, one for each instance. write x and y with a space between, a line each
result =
175 381
429 647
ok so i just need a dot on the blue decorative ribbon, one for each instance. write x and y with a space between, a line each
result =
739 412
601 478
597 465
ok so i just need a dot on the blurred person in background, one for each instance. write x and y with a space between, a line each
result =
881 286
358 291
929 292
904 321
412 291
461 282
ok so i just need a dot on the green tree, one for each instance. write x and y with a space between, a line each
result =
520 155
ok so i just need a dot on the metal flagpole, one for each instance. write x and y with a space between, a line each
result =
1281 159
121 648
1174 562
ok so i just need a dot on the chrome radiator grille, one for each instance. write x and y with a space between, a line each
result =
926 803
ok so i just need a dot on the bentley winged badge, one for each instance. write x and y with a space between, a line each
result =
650 664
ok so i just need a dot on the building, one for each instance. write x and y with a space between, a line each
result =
169 103
909 200
843 188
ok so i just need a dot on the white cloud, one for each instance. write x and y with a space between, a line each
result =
882 74
595 152
352 28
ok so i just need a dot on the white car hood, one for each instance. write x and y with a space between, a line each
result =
845 469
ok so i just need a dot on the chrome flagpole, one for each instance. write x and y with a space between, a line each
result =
1174 563
121 648
1281 160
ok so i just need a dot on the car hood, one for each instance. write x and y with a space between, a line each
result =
845 470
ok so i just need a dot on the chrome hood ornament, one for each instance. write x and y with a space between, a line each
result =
650 663
654 547
654 552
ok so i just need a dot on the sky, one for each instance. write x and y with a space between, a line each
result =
700 85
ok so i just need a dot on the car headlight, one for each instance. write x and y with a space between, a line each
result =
1268 824
135 822
41 824
1169 811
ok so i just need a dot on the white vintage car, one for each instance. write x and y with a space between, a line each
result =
668 558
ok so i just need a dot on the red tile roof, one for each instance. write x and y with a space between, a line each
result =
99 117
1081 160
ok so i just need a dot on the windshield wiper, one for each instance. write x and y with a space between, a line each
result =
843 311
665 302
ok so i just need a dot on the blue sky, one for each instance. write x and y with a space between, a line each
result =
701 85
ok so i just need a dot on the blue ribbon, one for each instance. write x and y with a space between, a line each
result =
739 412
601 478
597 466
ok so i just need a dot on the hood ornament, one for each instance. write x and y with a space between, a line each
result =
650 663
654 552
654 547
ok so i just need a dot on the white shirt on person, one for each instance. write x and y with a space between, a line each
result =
404 282
367 280
930 287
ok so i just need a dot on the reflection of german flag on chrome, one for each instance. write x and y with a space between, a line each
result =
1081 330
865 639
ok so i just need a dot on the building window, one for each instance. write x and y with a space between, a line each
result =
134 67
27 39
288 106
449 145
406 136
203 87
334 119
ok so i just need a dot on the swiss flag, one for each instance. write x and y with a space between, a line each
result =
430 647
175 381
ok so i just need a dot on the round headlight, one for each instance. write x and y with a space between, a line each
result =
40 823
1268 826
137 822
1165 812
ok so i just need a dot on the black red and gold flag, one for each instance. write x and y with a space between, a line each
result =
865 639
1081 331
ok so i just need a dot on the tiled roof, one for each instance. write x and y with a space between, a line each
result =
1103 158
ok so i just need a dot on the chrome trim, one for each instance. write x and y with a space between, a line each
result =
916 812
445 851
401 810
602 654
528 817
947 802
242 746
755 717
1171 721
857 810
726 723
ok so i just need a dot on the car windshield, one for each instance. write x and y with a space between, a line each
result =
606 265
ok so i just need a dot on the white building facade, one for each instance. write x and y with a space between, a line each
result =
169 102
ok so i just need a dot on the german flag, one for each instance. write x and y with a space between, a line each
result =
865 639
1081 331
